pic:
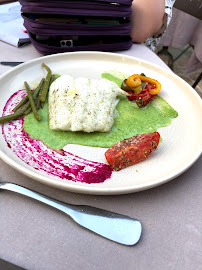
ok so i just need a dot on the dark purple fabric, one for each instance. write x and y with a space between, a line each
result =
123 2
76 8
46 49
51 28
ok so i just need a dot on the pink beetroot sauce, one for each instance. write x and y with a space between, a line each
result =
36 154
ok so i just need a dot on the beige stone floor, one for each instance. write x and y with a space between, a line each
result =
180 63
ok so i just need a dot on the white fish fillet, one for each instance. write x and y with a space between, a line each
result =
82 104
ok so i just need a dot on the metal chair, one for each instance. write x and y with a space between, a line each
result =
192 8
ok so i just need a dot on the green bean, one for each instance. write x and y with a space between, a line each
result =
26 99
53 78
39 94
31 100
37 90
35 94
46 83
10 117
28 111
15 115
21 103
24 111
51 81
41 105
38 103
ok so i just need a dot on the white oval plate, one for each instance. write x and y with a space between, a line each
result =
182 140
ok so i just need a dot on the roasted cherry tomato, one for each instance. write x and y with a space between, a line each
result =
144 97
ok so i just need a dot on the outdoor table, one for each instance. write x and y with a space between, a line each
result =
35 236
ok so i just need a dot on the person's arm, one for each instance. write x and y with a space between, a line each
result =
146 19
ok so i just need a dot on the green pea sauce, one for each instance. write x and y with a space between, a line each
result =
129 121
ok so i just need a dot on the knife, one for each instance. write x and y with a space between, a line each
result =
12 64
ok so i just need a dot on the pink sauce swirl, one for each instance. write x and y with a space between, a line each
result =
36 154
